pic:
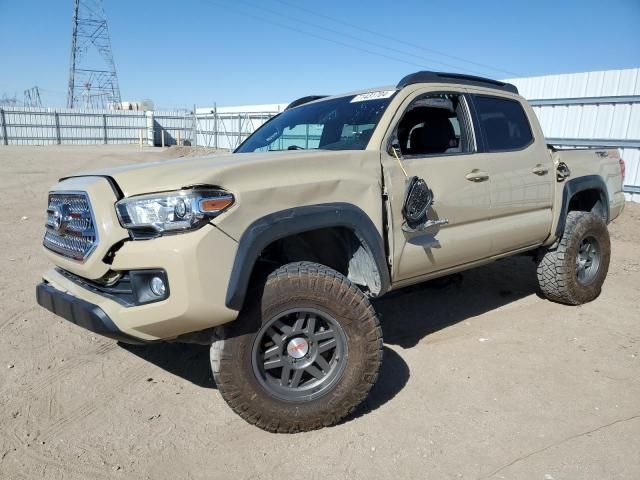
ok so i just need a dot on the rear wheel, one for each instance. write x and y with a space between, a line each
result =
574 271
304 356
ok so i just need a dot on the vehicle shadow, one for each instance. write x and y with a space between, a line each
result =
407 316
394 375
185 360
410 314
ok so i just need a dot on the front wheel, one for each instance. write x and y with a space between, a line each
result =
304 356
573 273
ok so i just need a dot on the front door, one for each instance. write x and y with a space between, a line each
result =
435 141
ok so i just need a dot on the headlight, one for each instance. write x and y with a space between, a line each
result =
172 211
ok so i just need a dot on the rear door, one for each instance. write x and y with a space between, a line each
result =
520 169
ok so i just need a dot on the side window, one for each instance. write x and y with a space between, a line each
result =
435 124
504 124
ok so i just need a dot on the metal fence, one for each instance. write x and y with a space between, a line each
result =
33 126
228 130
38 126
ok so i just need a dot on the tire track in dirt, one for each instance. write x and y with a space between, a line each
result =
14 316
17 396
48 433
129 376
44 460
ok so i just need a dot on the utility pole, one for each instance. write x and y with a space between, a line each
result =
93 81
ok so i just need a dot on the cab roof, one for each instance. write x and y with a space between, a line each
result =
423 76
458 78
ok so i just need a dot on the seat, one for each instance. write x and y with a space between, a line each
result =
436 136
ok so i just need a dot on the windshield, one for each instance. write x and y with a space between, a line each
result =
344 123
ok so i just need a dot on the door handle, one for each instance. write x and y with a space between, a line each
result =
477 176
540 170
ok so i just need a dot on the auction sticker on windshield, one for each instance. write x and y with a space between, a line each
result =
363 97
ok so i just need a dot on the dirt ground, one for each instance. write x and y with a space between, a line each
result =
481 378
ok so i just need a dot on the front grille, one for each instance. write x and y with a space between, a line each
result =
70 227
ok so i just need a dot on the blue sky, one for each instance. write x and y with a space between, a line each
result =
249 51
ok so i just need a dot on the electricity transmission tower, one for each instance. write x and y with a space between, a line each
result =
32 97
7 101
93 82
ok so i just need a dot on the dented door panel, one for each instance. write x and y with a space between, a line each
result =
463 203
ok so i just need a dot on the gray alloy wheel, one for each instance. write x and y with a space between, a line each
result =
303 354
573 271
300 354
588 260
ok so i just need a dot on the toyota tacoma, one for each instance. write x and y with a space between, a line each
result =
271 254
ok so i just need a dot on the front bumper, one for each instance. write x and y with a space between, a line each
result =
83 314
198 267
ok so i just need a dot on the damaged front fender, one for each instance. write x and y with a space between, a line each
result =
367 266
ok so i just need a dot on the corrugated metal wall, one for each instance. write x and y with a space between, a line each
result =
591 109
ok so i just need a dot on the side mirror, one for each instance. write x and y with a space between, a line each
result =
394 150
417 202
562 172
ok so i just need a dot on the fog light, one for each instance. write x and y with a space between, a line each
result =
157 286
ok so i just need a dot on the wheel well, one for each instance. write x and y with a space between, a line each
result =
588 201
336 247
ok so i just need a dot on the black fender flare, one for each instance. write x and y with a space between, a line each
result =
278 225
580 184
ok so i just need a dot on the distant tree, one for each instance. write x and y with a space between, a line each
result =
147 105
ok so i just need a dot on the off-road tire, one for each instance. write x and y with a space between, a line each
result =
299 285
557 271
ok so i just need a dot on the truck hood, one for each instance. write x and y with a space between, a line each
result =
166 175
263 183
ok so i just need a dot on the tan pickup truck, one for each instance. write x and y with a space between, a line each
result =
271 254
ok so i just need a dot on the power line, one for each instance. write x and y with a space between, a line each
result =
395 39
304 32
362 40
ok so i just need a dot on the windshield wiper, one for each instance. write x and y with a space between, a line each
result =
290 147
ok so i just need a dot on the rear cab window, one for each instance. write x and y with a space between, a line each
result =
504 123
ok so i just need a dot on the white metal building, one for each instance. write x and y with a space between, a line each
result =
592 109
267 107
